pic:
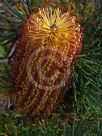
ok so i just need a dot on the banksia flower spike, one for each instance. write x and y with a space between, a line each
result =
47 46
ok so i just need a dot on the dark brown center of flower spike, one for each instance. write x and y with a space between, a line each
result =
53 27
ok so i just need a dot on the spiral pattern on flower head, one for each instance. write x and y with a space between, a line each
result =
48 44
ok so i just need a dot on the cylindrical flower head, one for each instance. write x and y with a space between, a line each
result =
46 48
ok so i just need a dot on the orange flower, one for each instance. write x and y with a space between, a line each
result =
48 44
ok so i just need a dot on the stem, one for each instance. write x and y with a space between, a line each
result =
5 60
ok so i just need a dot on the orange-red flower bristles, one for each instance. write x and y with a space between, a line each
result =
48 44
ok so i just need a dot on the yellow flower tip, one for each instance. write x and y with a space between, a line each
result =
52 25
